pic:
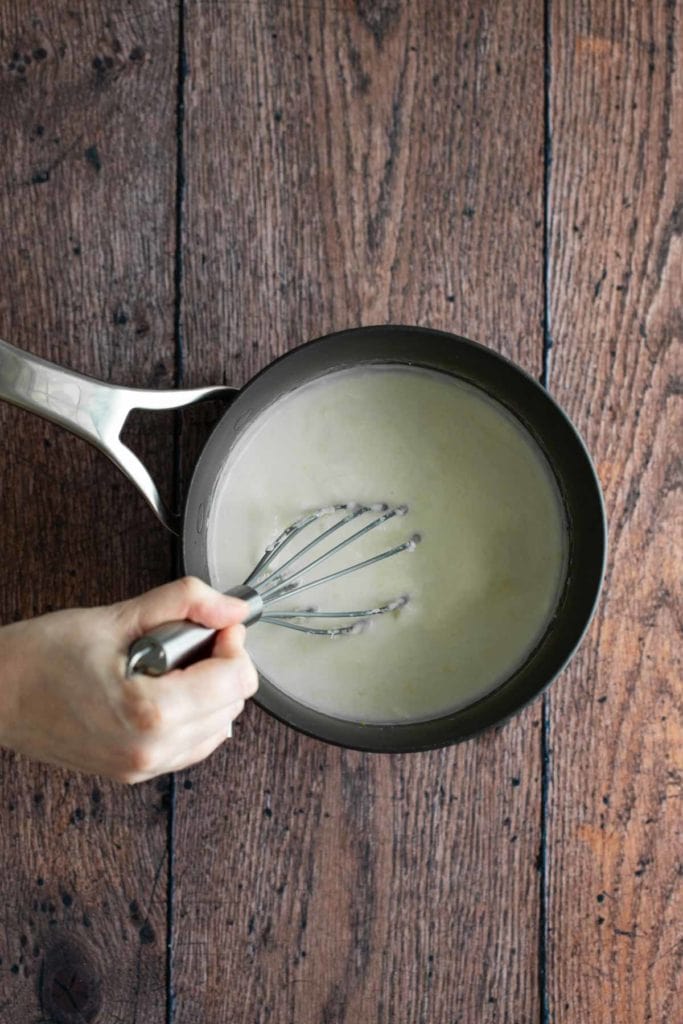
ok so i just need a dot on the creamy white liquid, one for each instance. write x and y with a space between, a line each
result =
482 583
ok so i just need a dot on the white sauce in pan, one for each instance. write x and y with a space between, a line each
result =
482 583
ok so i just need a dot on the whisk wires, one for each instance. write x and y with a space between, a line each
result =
274 582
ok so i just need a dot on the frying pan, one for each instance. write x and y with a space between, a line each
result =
97 412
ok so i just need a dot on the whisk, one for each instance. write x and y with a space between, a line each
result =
175 643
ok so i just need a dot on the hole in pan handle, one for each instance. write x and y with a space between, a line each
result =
94 410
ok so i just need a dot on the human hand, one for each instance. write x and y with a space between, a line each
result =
65 698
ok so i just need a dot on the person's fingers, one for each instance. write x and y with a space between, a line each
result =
200 751
161 761
193 733
190 694
187 748
229 643
186 598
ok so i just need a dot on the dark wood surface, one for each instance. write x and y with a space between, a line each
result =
506 171
614 838
87 181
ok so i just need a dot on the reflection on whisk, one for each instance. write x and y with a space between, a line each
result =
274 582
281 618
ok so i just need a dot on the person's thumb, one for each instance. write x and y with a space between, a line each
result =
186 598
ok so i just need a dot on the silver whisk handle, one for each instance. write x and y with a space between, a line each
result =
176 644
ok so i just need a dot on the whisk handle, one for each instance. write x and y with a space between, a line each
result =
177 644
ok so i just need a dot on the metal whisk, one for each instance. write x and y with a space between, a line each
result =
175 643
290 577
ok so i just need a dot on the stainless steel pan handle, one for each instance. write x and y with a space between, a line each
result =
93 410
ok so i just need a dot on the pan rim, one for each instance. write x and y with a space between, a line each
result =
512 695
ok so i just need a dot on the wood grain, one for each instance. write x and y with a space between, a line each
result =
615 839
350 164
87 177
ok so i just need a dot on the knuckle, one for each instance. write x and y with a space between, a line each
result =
141 760
236 709
249 677
144 715
193 587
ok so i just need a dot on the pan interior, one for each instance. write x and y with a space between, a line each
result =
484 581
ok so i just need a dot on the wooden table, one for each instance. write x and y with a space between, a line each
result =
189 189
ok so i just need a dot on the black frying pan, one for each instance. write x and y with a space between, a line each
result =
98 411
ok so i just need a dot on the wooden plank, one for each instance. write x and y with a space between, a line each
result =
87 181
352 164
616 732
